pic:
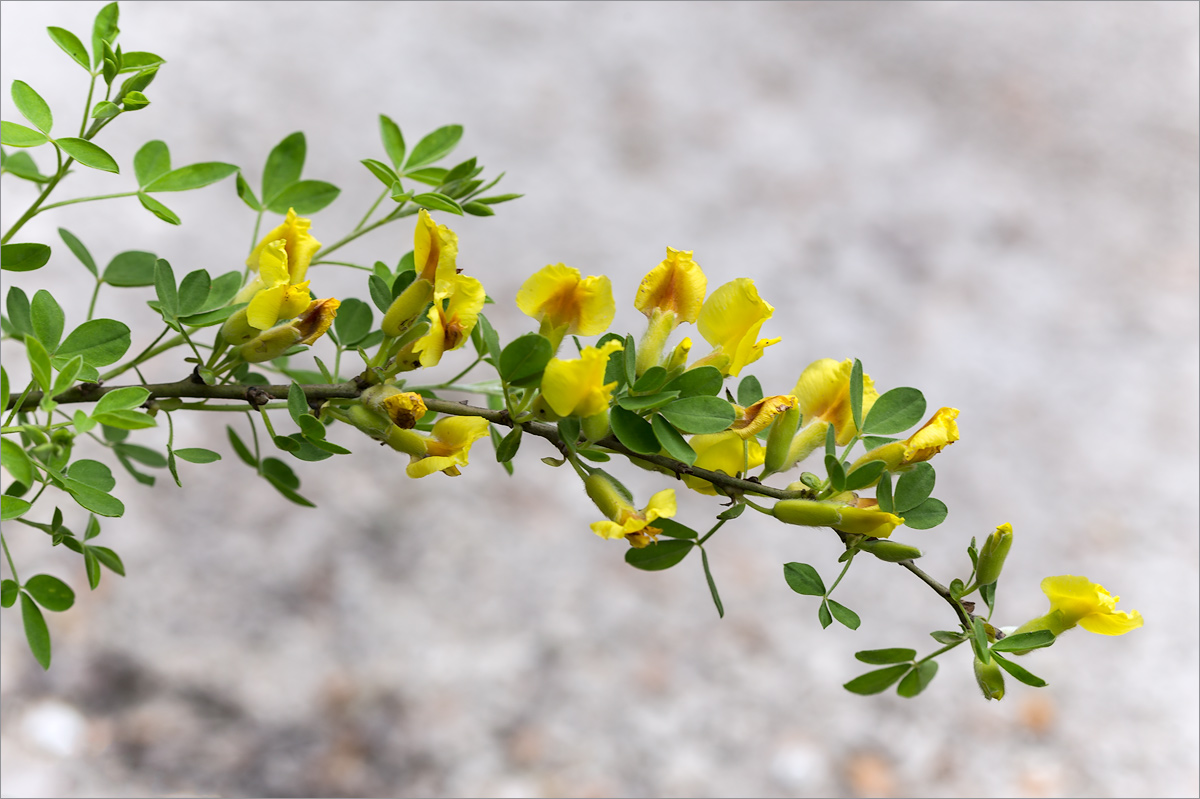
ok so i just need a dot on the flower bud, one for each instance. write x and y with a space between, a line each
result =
595 427
807 512
753 419
990 679
404 408
992 555
407 308
679 355
609 496
649 350
810 437
890 551
237 330
779 440
868 521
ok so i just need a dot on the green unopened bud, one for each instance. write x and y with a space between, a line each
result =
649 349
990 678
779 440
608 494
806 442
891 551
992 555
807 512
407 308
868 521
679 356
270 344
237 330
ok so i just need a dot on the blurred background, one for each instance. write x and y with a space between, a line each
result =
994 202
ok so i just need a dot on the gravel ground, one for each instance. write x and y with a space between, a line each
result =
994 202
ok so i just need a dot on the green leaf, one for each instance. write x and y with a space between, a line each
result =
36 632
673 529
864 475
883 492
8 593
946 636
284 165
699 414
92 473
634 432
670 439
100 342
193 291
110 559
88 154
895 412
50 592
478 209
152 161
491 340
837 473
247 194
17 462
91 565
21 165
712 584
823 615
643 404
732 512
67 373
856 393
122 399
39 362
568 431
297 403
386 175
70 45
844 614
874 682
499 198
131 268
3 390
913 487
164 286
883 657
381 295
749 391
12 508
651 381
437 202
1020 673
988 592
15 135
434 146
1024 642
630 360
979 641
658 555
143 455
135 83
305 196
17 304
134 101
509 445
830 442
198 455
137 60
430 175
125 420
918 679
353 322
80 251
525 358
281 476
803 579
871 442
393 140
929 513
24 257
241 449
104 29
32 106
47 319
158 209
193 176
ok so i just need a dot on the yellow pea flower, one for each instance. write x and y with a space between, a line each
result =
443 451
275 294
723 452
672 292
451 319
301 331
403 408
566 303
755 418
576 387
935 435
624 520
823 391
730 320
298 243
1076 600
435 254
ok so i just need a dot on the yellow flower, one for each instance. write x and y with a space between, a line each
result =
302 331
445 450
624 520
576 387
677 286
755 418
451 320
730 320
299 244
404 408
275 294
435 254
935 435
1076 600
823 391
567 304
723 452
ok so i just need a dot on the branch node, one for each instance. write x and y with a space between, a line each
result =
258 396
195 377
